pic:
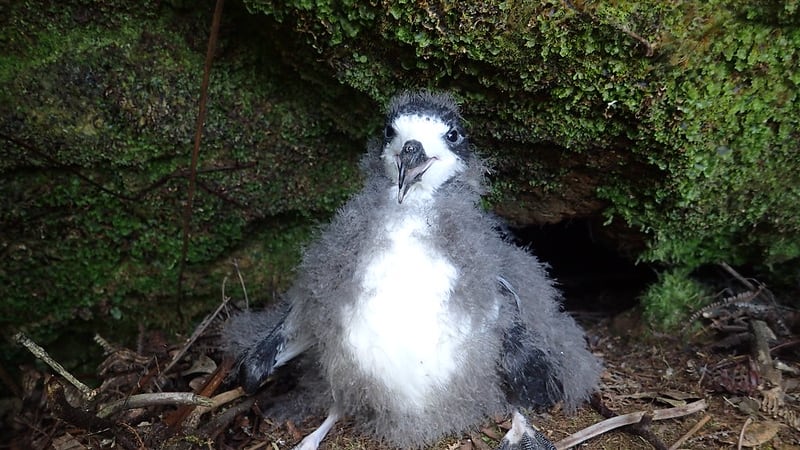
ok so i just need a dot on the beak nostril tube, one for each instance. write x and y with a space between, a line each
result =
412 147
412 163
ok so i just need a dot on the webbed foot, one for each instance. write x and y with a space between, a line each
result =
522 436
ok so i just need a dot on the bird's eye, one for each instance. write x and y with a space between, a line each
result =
453 135
388 132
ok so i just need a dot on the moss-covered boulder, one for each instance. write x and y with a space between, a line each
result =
674 121
98 110
680 118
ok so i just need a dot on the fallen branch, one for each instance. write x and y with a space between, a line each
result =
691 432
241 281
738 276
217 401
741 433
39 352
216 425
124 436
197 333
154 399
211 384
628 419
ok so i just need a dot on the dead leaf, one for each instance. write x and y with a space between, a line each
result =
760 433
492 433
202 364
477 442
671 401
67 442
679 395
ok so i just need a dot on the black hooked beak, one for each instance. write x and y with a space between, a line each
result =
412 162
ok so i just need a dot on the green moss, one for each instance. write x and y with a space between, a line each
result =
725 127
684 113
94 182
678 118
672 299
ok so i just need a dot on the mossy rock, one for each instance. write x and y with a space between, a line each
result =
99 103
676 121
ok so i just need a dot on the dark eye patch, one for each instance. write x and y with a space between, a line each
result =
453 135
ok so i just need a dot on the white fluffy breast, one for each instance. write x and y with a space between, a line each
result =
400 333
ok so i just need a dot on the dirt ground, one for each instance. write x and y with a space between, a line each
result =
709 377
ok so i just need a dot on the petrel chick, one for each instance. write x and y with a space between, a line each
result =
418 317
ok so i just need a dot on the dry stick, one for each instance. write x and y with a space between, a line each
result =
209 387
741 433
241 281
85 420
641 429
649 51
738 276
217 401
258 446
691 432
41 353
628 419
197 332
132 197
226 397
190 419
198 134
153 399
213 427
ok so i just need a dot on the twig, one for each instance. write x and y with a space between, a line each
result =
209 387
691 432
241 281
628 419
198 135
41 353
153 399
131 197
46 156
226 397
78 417
258 446
192 418
216 401
221 422
641 428
784 345
736 275
649 51
197 333
741 433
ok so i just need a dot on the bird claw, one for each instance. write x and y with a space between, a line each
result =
522 436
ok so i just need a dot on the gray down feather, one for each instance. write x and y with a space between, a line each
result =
486 263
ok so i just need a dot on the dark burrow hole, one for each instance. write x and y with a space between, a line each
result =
591 273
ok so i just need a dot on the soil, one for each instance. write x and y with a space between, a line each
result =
645 372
